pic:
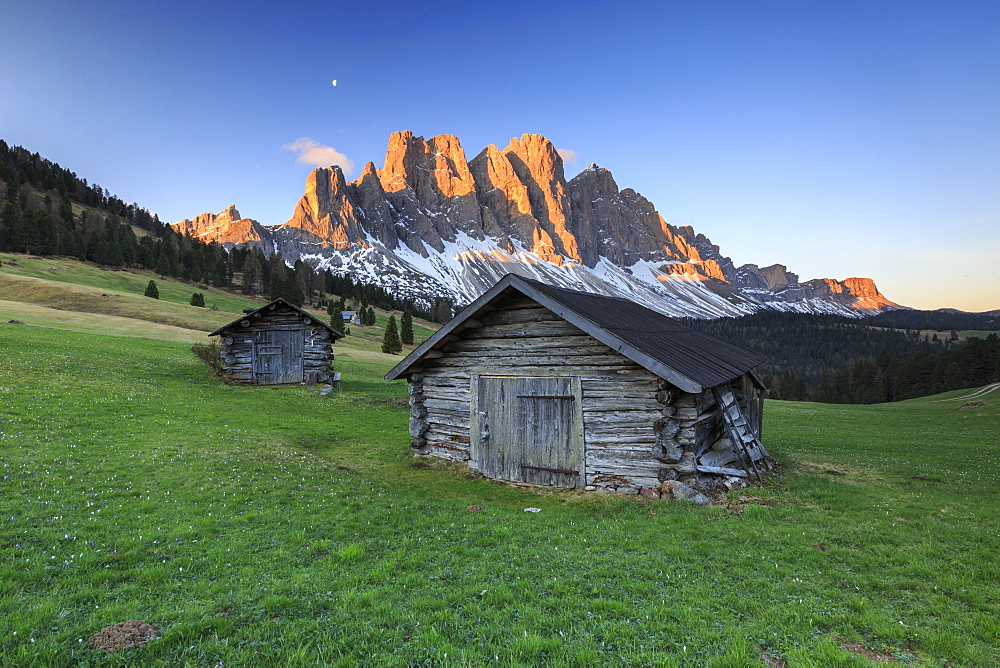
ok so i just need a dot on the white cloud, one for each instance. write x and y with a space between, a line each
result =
311 152
568 155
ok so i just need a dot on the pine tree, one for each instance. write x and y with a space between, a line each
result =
390 341
198 299
406 328
292 292
10 225
65 208
162 263
152 290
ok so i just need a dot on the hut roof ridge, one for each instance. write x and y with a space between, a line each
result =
269 306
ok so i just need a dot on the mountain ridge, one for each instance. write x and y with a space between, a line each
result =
431 223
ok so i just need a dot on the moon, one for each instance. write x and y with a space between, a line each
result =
334 82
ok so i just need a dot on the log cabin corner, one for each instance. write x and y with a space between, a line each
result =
540 385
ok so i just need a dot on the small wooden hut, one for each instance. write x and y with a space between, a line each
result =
545 386
277 344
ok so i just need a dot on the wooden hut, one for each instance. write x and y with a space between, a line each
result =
277 344
545 386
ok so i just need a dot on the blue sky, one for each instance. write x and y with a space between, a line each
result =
837 138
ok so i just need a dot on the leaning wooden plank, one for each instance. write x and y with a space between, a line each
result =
722 470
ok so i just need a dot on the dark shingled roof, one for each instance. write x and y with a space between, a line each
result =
701 357
249 313
687 357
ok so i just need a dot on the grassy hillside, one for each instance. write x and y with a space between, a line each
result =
71 285
264 526
60 292
94 323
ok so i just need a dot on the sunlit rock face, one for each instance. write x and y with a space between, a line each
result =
432 223
865 292
225 227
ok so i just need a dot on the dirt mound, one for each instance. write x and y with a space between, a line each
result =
876 655
972 405
124 635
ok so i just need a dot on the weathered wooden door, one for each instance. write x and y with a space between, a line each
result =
277 356
529 429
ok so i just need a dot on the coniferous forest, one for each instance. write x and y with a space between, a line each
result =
834 359
46 209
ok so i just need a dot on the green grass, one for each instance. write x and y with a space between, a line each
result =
93 323
266 526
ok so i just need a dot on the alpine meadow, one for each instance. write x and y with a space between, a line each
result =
283 526
549 333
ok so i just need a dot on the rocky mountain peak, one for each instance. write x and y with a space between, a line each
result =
433 168
432 223
777 277
226 226
326 214
867 294
228 215
538 155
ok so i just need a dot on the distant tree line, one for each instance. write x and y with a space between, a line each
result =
893 378
842 360
38 217
938 320
808 344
